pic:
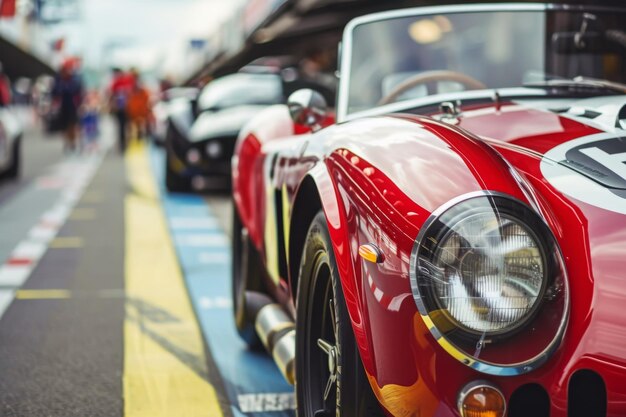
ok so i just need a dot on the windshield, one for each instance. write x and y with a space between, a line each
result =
406 58
240 89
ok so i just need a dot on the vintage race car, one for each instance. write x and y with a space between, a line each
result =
453 245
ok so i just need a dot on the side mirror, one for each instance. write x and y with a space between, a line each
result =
307 107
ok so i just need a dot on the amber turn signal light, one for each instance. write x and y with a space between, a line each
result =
371 253
481 399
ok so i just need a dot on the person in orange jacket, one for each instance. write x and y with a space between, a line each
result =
138 107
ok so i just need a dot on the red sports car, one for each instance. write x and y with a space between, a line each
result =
454 244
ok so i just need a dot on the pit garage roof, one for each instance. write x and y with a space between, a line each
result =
295 26
19 63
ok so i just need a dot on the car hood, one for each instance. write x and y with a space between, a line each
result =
539 125
579 134
226 122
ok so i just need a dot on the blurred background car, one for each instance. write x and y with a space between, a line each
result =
10 144
201 135
160 110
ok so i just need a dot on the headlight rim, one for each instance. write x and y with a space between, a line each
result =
467 359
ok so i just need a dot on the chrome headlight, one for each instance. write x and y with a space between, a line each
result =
490 273
214 149
193 156
484 271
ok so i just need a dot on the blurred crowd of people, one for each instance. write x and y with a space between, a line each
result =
129 101
64 104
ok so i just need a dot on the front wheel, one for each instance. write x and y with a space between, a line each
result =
330 380
173 181
246 283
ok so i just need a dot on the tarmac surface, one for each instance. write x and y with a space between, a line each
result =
115 295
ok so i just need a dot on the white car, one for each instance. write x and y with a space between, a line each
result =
10 143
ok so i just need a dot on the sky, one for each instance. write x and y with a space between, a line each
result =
143 33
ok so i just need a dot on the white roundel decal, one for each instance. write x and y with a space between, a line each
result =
591 169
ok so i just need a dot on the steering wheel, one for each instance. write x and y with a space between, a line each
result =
432 76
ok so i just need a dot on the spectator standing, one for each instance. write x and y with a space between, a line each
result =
5 88
68 95
164 85
90 121
119 90
138 108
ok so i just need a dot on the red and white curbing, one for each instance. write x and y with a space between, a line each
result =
72 177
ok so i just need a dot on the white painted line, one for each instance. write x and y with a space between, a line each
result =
54 216
71 195
74 178
42 234
14 275
251 403
193 223
6 296
212 303
59 211
29 250
202 240
214 257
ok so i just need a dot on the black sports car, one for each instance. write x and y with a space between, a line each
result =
160 110
201 135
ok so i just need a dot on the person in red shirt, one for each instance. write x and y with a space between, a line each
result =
5 88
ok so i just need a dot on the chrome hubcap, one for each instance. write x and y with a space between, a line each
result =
331 352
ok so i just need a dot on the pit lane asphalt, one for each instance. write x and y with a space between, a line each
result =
65 338
39 152
62 356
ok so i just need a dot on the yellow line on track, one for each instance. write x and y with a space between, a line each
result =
67 242
83 213
42 294
92 197
165 372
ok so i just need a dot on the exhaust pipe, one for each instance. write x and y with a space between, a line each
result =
277 333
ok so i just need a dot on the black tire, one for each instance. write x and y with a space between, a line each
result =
246 283
322 314
173 182
14 170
